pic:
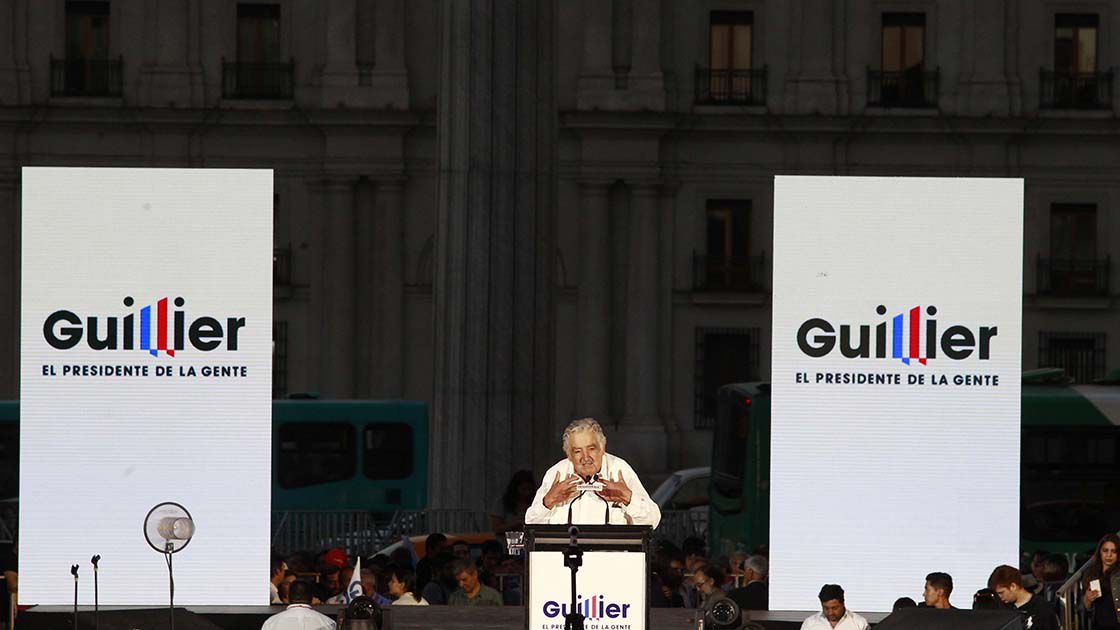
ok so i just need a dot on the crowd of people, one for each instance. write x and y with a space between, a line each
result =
448 573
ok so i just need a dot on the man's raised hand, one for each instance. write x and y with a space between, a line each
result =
616 491
561 490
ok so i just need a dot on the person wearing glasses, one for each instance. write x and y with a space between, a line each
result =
707 579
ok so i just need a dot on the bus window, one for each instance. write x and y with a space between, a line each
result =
312 453
694 493
9 461
388 451
732 417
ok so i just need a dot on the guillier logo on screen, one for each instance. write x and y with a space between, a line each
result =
818 337
152 329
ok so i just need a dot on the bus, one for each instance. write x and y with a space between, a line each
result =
1070 488
327 455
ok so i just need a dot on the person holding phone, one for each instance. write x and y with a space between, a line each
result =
1100 581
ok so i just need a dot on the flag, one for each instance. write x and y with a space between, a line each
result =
354 588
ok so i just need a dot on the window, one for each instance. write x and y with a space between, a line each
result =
1073 268
312 453
259 71
1081 355
279 359
258 33
388 451
723 356
902 80
727 264
694 493
87 30
733 417
1075 82
1075 44
86 69
730 76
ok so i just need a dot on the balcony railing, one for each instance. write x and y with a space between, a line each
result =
282 266
258 80
743 274
86 77
730 87
1082 90
1069 277
909 88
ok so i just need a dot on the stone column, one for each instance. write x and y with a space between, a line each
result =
9 288
388 261
594 308
646 81
495 249
337 286
596 78
367 299
641 429
340 70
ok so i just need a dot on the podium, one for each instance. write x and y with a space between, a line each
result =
613 589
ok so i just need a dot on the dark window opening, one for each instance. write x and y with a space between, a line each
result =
731 76
1076 82
902 79
1073 268
312 453
279 359
1081 355
388 451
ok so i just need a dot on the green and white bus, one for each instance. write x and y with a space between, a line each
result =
1070 489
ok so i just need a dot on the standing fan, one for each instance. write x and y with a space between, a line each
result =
168 528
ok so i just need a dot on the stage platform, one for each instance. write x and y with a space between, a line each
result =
404 618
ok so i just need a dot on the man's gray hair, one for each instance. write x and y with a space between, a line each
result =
584 424
759 564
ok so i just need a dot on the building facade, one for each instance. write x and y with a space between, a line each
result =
662 125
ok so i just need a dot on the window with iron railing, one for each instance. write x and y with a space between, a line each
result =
730 77
727 264
1081 355
902 79
1073 268
86 69
1076 82
260 71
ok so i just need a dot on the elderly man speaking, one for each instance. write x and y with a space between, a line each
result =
561 500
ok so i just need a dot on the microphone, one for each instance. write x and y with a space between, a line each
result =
94 560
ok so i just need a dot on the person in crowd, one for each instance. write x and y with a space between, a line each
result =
438 590
938 588
278 570
336 557
621 501
1007 583
461 549
402 587
1053 570
708 577
329 584
509 512
299 614
9 568
755 594
903 602
695 553
665 582
402 557
834 614
986 599
1031 576
472 592
1103 571
432 546
489 561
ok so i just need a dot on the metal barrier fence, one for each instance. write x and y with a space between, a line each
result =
366 533
1070 594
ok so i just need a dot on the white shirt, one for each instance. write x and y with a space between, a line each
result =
299 617
850 621
275 597
590 509
409 599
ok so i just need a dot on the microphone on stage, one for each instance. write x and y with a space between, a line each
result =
74 572
96 620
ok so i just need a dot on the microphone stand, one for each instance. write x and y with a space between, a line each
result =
168 551
573 559
74 572
96 618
